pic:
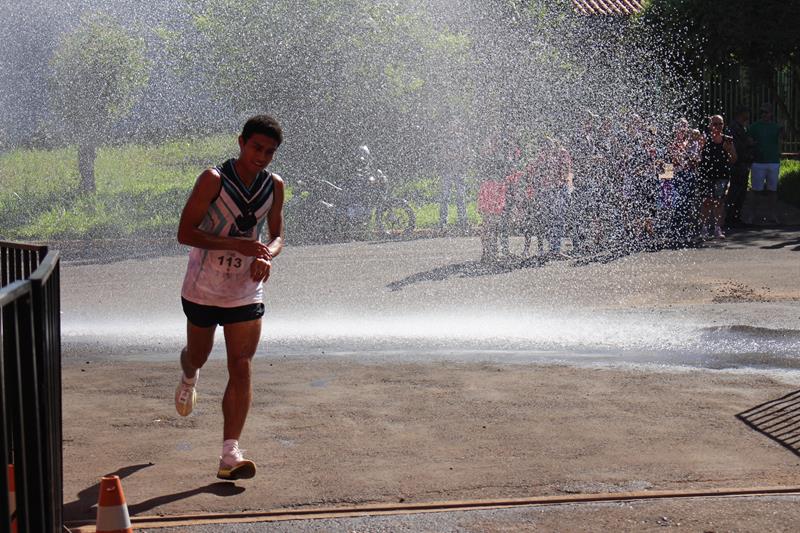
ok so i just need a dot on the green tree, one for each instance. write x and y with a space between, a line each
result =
708 34
336 73
761 35
98 73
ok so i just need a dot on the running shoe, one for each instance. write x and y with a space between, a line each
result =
186 396
718 233
233 465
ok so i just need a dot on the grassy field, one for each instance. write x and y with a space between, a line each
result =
142 188
140 191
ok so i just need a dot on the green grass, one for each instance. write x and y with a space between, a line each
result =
428 215
423 194
140 189
789 184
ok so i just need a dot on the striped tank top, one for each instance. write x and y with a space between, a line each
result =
222 277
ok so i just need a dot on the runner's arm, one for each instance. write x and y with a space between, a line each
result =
261 266
205 190
275 218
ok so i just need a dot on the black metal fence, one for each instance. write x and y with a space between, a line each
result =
30 376
725 90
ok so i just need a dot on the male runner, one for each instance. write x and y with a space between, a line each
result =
223 221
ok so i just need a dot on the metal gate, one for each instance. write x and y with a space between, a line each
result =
725 90
30 376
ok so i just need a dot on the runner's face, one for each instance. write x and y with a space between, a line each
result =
257 152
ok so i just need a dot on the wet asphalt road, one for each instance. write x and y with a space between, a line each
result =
731 304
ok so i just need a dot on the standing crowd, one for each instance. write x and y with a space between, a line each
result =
606 188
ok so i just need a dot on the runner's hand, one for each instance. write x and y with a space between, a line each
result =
253 248
260 268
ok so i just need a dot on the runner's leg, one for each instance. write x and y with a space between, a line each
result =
193 356
199 342
241 341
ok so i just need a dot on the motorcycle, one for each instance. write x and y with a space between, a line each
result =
354 209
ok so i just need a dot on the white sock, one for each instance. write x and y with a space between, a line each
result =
191 380
228 445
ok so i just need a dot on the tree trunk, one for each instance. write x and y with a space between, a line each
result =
87 151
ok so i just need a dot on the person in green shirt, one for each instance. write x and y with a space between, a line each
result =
766 134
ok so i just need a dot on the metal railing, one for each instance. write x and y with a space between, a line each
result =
726 89
30 376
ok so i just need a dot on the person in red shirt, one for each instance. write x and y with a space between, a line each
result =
550 185
491 204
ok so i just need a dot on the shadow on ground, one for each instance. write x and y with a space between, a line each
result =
85 507
467 269
777 419
794 243
780 237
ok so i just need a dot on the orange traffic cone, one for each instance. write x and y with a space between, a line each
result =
112 511
12 498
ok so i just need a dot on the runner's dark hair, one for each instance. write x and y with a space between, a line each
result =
265 125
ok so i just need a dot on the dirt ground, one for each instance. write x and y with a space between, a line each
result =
340 433
329 431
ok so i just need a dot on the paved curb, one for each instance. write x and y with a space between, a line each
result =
432 507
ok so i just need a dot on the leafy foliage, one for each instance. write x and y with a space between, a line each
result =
761 35
350 72
99 71
789 185
704 37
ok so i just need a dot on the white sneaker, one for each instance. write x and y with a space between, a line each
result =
233 465
186 395
718 233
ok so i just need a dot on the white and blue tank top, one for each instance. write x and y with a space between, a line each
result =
222 277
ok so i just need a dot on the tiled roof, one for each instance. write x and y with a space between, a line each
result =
607 7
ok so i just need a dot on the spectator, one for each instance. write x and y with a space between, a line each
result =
741 169
585 197
612 148
766 165
512 174
687 188
533 223
678 157
454 176
553 186
665 204
718 155
490 165
491 204
639 184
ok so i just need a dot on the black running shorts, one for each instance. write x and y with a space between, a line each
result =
205 316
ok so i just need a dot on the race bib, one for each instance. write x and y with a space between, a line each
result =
228 262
